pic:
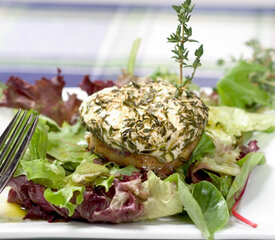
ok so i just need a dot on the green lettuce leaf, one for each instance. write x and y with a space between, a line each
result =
209 213
43 172
53 126
228 123
128 170
105 182
34 163
248 163
236 90
69 145
163 198
38 146
62 198
87 171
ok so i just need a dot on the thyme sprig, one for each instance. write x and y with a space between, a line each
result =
180 38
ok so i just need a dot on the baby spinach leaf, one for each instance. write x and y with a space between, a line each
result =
190 205
206 206
205 145
222 183
213 205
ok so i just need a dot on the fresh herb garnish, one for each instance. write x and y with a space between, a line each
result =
181 38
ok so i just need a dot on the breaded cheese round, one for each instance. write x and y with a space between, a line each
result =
145 118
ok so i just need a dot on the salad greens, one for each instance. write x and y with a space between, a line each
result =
59 176
43 172
247 164
235 88
87 172
228 123
212 204
204 146
203 201
222 182
250 84
69 145
62 198
163 200
205 205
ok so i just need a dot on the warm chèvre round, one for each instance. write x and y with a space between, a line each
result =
145 119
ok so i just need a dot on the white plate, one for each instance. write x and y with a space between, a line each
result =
257 205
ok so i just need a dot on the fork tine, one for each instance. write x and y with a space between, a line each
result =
5 134
17 152
12 142
11 130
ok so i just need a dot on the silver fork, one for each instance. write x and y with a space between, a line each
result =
13 143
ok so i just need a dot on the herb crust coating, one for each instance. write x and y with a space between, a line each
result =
146 119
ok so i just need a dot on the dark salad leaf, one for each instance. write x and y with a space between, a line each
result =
252 147
45 97
93 86
72 202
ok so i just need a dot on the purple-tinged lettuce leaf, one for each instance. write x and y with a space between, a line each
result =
122 203
252 147
94 86
45 97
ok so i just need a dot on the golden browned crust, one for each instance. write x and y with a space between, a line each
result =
139 160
